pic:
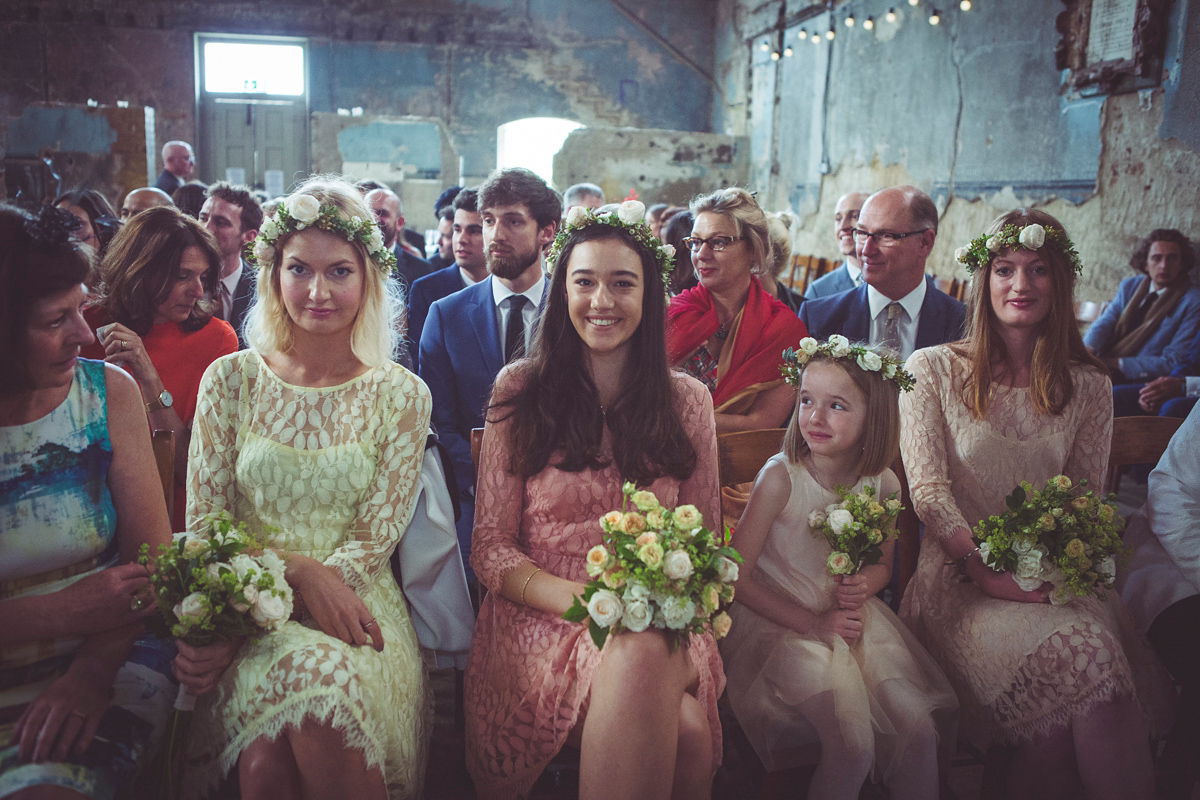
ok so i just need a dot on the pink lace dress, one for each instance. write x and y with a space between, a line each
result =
529 673
1020 669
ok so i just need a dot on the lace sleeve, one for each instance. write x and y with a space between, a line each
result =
401 426
923 433
702 488
210 485
499 501
1093 438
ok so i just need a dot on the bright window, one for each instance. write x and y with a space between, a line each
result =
532 143
242 68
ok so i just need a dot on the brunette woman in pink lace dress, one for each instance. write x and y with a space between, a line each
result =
593 407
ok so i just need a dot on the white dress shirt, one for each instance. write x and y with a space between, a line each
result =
533 294
854 272
906 324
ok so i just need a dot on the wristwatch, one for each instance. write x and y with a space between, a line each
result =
164 400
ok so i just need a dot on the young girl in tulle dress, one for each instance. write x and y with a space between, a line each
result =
813 657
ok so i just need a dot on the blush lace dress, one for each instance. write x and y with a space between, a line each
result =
1020 669
334 472
530 672
879 701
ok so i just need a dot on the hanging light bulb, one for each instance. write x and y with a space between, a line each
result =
787 51
914 2
816 38
869 23
891 15
803 34
765 47
965 5
829 34
850 21
775 56
935 17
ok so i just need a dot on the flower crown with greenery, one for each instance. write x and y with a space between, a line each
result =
302 211
866 357
983 248
630 216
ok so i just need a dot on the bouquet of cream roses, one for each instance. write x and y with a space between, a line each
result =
208 586
855 528
1059 535
658 568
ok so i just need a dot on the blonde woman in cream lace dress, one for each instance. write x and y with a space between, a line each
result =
315 438
1069 686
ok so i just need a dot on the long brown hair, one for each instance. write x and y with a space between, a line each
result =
142 265
1058 344
556 411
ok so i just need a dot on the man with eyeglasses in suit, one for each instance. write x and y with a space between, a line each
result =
898 305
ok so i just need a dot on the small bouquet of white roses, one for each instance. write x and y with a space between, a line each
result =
208 586
855 528
1059 535
658 568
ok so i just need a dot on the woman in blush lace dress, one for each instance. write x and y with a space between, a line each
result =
1021 399
594 406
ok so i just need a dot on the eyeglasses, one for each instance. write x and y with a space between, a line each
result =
717 243
882 238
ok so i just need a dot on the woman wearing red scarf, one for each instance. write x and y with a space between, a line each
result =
729 332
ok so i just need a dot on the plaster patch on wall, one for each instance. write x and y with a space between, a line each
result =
71 130
411 148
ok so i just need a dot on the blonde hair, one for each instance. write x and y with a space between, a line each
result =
375 333
749 221
881 433
779 230
1058 342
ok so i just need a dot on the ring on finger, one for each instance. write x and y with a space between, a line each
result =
137 603
369 623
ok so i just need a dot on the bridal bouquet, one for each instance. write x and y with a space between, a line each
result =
1058 534
656 567
855 528
207 586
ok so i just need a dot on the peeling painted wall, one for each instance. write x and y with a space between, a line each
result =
662 166
972 111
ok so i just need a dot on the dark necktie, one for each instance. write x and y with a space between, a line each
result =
514 337
226 303
1139 314
891 328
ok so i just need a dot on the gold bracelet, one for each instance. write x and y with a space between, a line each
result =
525 585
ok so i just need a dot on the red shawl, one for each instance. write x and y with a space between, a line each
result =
763 330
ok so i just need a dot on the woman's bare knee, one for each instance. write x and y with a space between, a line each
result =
267 768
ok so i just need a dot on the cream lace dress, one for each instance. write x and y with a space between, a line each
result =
334 471
1020 669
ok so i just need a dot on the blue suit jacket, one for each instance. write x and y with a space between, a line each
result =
835 282
461 354
1189 363
435 286
941 320
1163 351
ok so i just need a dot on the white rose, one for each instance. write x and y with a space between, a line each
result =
1021 546
1030 566
303 208
576 216
816 518
889 371
272 563
839 519
1107 568
678 612
688 518
243 565
636 591
1028 584
597 560
993 244
214 571
374 239
1033 236
870 361
809 345
985 550
667 250
677 566
839 346
637 616
605 608
250 593
192 609
194 546
960 255
263 253
269 228
727 569
631 212
268 610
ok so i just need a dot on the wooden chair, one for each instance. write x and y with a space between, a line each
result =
742 454
809 268
1137 440
163 442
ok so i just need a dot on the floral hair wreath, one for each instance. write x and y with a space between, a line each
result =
838 346
983 248
630 216
302 211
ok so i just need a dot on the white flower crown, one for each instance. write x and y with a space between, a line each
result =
302 211
837 346
630 216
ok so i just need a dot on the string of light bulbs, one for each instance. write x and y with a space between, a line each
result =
784 50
